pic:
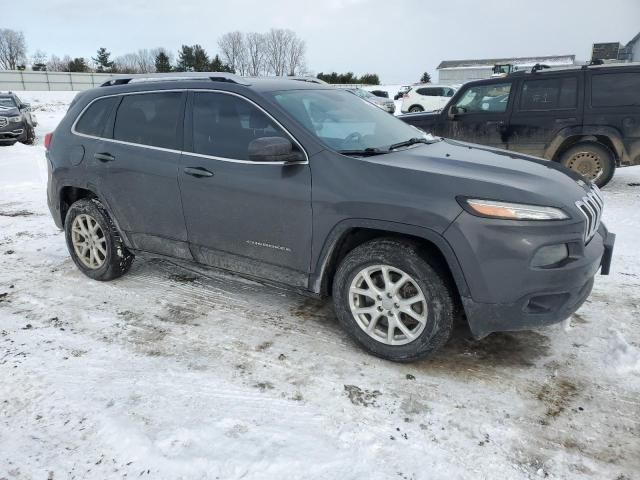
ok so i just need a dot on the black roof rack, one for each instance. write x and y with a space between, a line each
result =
158 77
539 66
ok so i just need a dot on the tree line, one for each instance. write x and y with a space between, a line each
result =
349 77
277 52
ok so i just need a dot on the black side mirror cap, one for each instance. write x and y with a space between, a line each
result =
273 149
452 112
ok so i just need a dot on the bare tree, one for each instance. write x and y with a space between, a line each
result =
295 56
255 52
145 61
57 64
277 42
234 52
127 63
13 49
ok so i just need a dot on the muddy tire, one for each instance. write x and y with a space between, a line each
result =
30 136
592 160
94 242
392 301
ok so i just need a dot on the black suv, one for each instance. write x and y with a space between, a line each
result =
586 118
314 188
17 124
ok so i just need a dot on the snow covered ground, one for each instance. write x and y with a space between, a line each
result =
178 372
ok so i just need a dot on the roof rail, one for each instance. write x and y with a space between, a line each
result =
539 66
158 77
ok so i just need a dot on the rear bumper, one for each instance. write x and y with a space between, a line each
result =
508 294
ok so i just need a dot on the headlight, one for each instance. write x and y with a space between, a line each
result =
14 119
511 211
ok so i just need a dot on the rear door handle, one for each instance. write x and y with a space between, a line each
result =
198 172
104 157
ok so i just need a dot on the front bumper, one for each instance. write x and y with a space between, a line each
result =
12 131
507 293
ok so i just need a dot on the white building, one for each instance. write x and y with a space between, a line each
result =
454 72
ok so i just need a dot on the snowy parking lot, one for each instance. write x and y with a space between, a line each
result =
175 371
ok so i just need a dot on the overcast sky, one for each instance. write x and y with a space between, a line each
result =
396 39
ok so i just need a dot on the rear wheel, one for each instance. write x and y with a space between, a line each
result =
93 241
593 161
392 301
416 109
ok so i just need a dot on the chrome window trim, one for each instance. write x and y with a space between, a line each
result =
184 152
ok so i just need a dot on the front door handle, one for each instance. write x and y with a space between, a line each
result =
198 172
104 157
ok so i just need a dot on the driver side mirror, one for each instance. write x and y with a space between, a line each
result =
25 106
453 111
273 149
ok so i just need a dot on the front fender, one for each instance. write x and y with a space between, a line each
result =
321 271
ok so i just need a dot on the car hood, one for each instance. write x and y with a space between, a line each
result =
9 112
465 169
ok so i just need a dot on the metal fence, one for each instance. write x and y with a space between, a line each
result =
55 81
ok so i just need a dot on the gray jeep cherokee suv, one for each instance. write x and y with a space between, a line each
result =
314 188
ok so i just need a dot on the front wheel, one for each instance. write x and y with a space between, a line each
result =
593 161
30 136
93 241
392 302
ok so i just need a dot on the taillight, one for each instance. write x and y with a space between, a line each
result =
47 140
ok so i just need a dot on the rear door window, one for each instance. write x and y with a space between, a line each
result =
615 89
152 119
224 125
94 119
549 94
430 92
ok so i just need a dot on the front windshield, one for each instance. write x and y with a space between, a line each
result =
344 122
7 102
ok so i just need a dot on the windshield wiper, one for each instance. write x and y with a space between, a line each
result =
408 143
367 152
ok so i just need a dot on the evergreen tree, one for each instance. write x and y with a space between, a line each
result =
78 65
200 59
426 78
186 59
162 62
370 79
102 60
216 65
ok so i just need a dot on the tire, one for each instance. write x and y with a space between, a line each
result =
592 160
398 257
31 136
112 259
416 109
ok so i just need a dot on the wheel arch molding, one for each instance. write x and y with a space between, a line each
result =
566 138
349 233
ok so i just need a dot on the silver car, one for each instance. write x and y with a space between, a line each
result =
383 103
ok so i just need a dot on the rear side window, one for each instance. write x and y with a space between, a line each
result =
430 92
94 119
615 89
150 119
549 94
224 125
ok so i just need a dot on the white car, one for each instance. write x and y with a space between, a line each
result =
426 98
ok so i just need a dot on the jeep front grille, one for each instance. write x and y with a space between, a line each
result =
591 207
4 121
